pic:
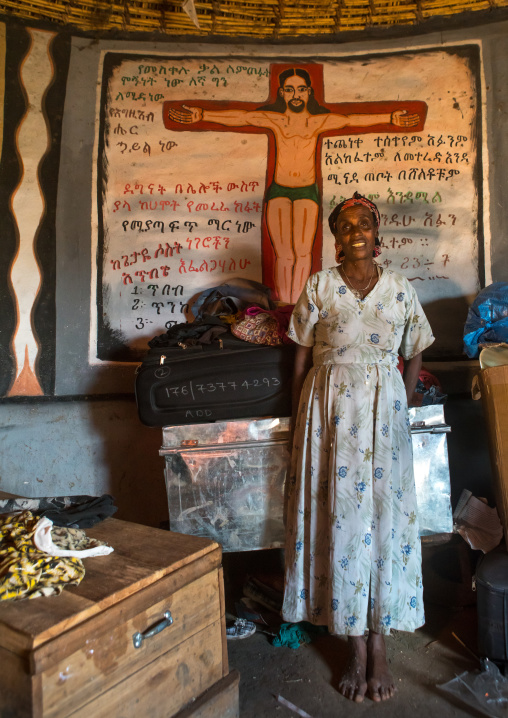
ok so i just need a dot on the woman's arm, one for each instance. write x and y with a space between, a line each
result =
410 376
303 362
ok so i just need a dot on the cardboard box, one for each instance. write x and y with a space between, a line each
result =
494 391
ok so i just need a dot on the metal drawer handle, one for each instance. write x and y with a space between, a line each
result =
138 638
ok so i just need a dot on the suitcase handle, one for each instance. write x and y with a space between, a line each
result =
138 638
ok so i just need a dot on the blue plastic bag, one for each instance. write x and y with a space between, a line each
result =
487 319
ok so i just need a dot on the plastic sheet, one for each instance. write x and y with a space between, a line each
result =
487 319
485 690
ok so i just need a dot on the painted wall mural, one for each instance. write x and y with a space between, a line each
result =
295 123
28 206
210 168
30 155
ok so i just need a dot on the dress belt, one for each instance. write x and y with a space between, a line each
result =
387 362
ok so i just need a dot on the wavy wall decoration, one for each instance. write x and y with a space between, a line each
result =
28 207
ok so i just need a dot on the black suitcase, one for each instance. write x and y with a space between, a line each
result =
492 604
228 379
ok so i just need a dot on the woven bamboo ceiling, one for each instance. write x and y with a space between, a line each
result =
255 18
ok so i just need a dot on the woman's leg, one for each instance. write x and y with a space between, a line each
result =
367 670
380 685
353 684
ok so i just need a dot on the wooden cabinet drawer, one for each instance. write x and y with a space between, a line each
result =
162 687
73 655
106 659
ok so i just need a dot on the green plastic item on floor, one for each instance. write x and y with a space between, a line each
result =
293 635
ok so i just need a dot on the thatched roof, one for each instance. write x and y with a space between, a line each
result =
254 18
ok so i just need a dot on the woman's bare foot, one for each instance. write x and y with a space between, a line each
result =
380 685
353 684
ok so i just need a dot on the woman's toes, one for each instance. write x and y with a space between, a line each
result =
359 696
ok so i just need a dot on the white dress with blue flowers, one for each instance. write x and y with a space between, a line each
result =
353 558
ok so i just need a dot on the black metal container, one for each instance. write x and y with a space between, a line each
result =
492 602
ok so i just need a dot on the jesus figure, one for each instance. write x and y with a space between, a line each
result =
293 200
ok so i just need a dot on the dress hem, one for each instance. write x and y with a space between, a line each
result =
383 630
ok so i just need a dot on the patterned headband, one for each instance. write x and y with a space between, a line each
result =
359 199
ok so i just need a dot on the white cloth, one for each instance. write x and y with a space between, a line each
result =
353 556
44 542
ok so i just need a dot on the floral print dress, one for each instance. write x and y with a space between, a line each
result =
353 557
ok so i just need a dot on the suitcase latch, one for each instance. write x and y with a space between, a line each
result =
162 359
189 442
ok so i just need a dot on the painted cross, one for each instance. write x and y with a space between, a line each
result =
296 122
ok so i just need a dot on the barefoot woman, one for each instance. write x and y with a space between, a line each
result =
352 550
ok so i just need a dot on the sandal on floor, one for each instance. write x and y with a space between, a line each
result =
239 628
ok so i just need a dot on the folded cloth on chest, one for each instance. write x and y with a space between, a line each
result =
29 571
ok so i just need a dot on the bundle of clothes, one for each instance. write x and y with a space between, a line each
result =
242 307
245 309
43 544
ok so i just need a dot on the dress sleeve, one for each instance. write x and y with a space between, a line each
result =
304 316
417 332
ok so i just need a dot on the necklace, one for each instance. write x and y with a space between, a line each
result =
357 292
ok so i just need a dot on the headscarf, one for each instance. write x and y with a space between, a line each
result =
356 199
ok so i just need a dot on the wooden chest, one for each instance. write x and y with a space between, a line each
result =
75 654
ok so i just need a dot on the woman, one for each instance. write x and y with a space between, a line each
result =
353 559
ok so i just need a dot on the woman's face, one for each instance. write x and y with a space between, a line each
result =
356 233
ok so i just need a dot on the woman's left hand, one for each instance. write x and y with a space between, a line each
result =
410 375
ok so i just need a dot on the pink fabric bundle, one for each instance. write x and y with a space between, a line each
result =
264 326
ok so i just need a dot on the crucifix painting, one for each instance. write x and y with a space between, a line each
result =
296 119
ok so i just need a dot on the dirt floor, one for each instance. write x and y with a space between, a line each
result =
308 676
